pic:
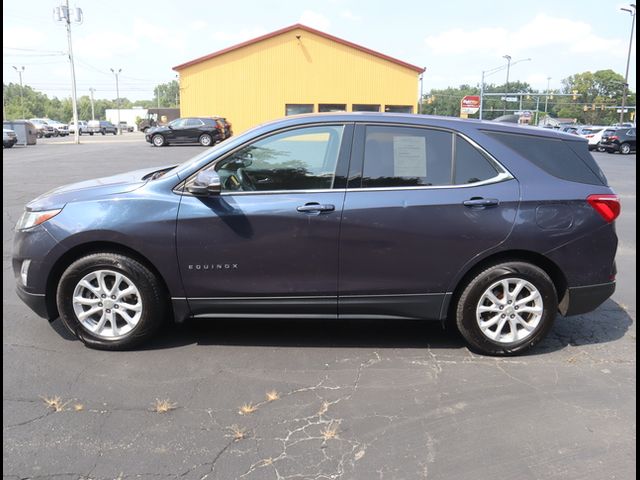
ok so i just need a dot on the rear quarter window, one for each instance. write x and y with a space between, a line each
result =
560 158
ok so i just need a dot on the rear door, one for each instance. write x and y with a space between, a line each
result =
421 203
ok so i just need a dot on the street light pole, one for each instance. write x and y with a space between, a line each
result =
421 95
508 57
62 13
116 72
93 111
632 11
20 72
546 98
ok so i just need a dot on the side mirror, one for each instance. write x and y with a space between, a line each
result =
207 182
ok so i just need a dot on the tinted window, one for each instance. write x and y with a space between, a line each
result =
554 156
301 159
210 121
471 165
402 156
298 108
361 107
332 107
398 108
193 122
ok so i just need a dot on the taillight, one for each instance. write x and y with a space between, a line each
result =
614 137
608 206
590 136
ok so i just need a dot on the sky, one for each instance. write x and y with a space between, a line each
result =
455 40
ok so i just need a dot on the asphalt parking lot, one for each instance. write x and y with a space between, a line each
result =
355 400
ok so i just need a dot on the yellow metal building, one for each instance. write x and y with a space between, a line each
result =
294 70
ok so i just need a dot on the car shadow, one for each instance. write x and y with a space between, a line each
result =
608 323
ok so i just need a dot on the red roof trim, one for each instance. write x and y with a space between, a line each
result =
308 29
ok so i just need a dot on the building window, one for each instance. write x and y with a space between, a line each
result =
363 107
332 107
398 108
298 108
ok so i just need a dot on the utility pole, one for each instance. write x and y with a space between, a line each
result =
546 98
506 95
93 111
63 14
420 109
632 11
20 72
116 72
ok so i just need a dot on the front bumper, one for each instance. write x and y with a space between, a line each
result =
10 142
585 299
35 301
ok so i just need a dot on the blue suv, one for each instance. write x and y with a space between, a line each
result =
492 227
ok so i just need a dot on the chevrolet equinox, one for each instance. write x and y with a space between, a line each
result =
490 226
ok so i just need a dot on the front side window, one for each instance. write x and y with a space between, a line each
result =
178 123
301 159
406 157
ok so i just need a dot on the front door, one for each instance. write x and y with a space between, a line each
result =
269 242
422 203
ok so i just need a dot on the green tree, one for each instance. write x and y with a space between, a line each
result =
167 94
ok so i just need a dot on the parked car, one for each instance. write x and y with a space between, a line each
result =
60 129
9 138
101 126
125 127
226 126
621 140
43 128
492 227
203 130
592 134
82 125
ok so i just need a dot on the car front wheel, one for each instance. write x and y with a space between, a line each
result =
205 140
110 301
507 308
158 140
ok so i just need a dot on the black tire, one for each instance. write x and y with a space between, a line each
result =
153 298
8 145
158 140
472 294
205 140
625 149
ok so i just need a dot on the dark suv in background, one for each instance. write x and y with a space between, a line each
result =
621 140
492 227
206 131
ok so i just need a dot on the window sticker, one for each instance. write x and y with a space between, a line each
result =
409 156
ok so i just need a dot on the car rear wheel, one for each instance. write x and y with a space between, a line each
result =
625 149
205 140
158 140
507 308
110 301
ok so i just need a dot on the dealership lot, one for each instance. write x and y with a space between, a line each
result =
358 399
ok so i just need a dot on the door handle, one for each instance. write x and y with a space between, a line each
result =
315 208
479 202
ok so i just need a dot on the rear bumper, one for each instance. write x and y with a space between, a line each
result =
586 299
609 147
36 302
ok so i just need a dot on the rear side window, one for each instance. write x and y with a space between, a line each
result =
470 164
406 157
554 156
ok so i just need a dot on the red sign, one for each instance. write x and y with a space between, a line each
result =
470 104
470 101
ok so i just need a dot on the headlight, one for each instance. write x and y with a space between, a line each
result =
31 219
